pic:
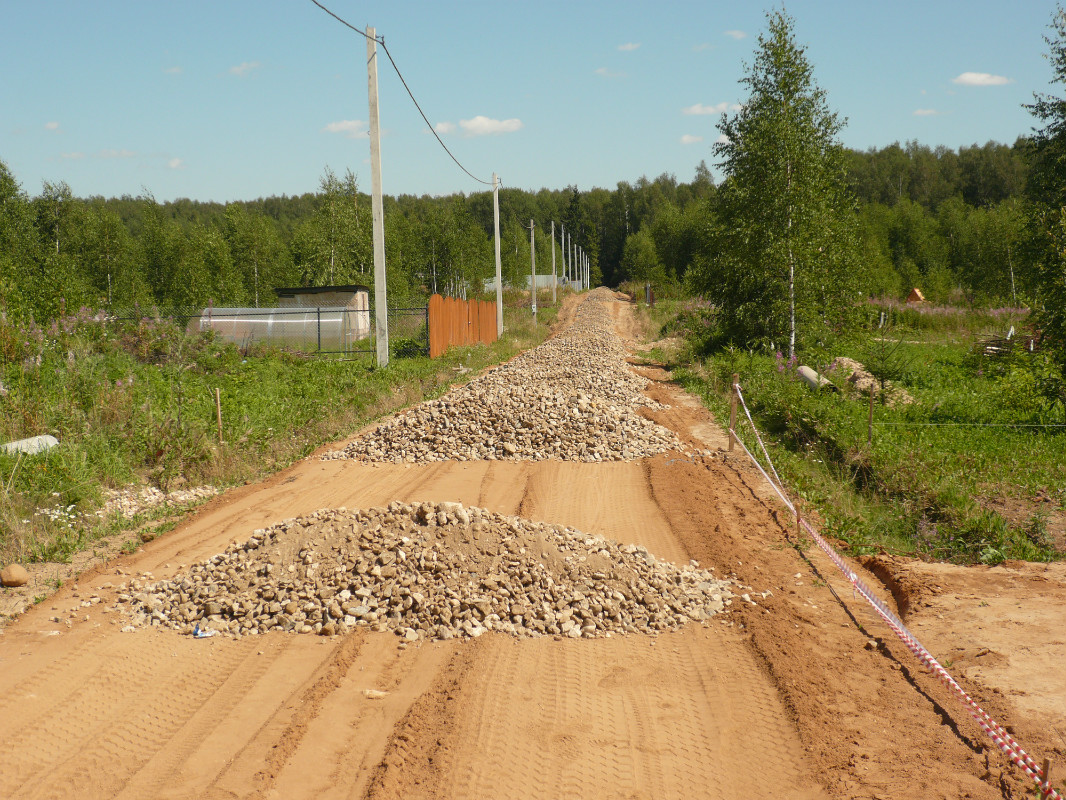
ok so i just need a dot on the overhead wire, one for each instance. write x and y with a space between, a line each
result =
381 40
341 21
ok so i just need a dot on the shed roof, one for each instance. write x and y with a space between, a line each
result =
353 288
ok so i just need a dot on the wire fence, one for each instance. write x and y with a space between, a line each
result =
318 330
1000 735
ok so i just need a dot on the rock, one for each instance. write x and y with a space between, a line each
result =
14 575
31 446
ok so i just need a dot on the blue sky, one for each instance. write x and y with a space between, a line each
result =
238 99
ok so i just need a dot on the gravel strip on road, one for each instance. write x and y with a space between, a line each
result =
572 398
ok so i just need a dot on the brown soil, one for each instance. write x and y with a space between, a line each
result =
804 695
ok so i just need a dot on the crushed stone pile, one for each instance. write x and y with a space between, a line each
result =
428 571
572 398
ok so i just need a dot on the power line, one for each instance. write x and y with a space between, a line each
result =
341 21
381 41
432 129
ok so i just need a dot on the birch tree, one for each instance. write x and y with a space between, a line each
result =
783 261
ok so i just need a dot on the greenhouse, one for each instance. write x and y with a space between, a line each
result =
332 329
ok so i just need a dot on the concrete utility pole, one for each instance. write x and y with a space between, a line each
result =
499 270
562 246
381 303
570 258
532 271
555 280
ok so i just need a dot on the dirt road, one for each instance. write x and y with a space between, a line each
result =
800 696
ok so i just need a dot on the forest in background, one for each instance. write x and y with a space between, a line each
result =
951 222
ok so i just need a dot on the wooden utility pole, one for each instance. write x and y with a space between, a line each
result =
555 281
499 269
381 307
532 272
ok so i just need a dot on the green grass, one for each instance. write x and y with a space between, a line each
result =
136 403
929 483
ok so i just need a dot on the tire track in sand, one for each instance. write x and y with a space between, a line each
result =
674 716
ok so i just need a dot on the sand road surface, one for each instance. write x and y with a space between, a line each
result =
798 694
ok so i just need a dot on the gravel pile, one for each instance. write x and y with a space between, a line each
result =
572 398
433 571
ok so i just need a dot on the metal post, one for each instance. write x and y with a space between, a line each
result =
381 303
555 281
499 271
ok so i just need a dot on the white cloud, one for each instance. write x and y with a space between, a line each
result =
736 34
981 79
699 48
116 154
719 108
51 126
243 69
723 139
177 70
484 126
926 112
74 155
352 128
690 139
176 163
629 47
606 73
444 127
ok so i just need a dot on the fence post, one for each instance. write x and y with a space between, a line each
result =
733 410
870 421
218 413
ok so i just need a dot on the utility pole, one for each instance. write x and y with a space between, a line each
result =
555 280
569 259
499 270
562 247
381 307
532 271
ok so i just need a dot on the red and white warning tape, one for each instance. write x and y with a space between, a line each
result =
1004 741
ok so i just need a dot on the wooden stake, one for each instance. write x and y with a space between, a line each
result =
733 411
218 413
870 423
1045 787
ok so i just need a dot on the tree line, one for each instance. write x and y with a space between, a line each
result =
948 221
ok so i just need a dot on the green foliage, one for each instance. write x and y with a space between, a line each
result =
785 244
928 485
1047 190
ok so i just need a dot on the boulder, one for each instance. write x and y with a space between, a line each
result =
14 575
